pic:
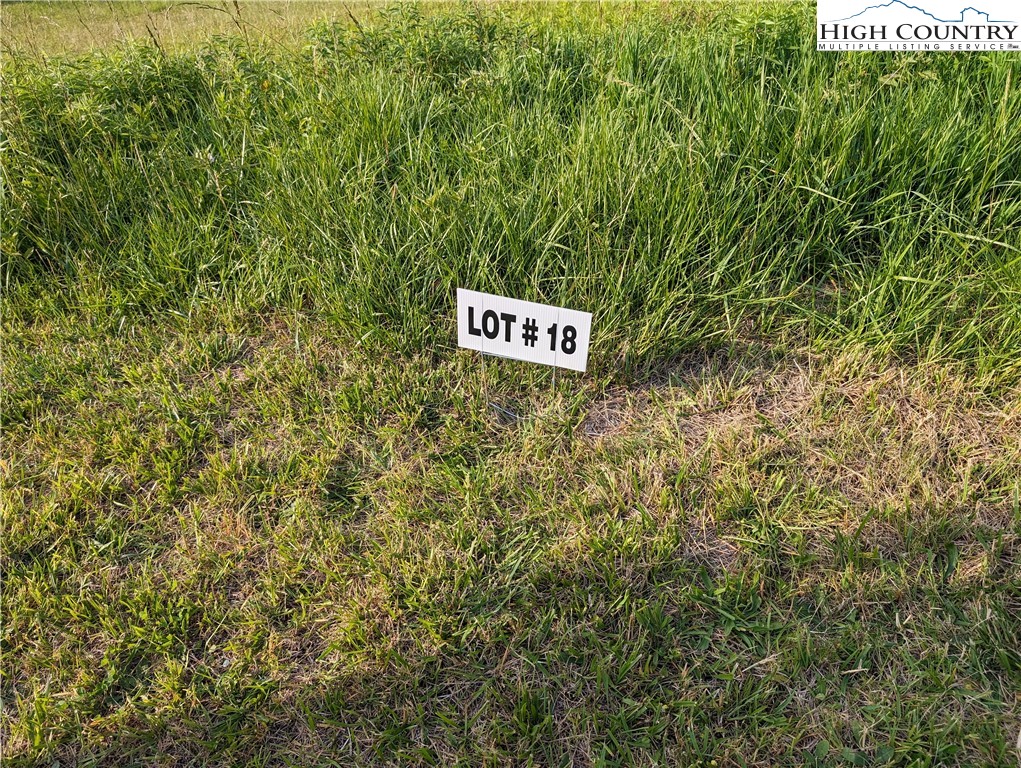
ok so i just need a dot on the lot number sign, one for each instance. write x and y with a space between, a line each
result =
523 330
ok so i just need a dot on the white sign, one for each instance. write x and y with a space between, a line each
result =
523 330
918 25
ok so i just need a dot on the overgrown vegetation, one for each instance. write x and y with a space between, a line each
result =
257 509
681 181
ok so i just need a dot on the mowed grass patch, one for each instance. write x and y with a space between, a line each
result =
248 541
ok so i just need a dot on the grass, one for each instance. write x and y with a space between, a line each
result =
59 27
257 509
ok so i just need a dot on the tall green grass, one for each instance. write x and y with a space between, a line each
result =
688 175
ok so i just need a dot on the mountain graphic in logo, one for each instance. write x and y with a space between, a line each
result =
968 15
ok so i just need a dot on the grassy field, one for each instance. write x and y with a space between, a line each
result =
259 510
60 27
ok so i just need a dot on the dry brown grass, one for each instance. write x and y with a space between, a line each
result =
875 435
55 28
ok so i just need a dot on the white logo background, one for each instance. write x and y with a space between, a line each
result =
947 25
833 10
